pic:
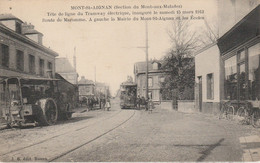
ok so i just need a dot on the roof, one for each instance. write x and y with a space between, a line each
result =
140 67
205 48
245 30
84 81
9 17
26 40
31 31
63 65
129 83
58 76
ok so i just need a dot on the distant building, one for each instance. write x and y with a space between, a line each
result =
156 75
86 87
102 89
66 70
21 50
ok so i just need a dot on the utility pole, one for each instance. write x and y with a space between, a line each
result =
95 89
146 47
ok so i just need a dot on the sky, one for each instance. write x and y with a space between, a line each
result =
111 48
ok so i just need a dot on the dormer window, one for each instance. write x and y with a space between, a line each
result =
155 66
18 27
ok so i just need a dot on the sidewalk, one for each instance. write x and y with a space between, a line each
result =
251 148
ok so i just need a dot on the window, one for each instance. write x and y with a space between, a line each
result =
49 65
210 86
19 60
254 72
150 82
41 68
231 78
50 69
31 64
155 66
4 55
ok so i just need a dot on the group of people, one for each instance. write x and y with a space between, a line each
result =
147 103
90 102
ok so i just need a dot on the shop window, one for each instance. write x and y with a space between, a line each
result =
4 55
210 86
231 78
19 60
242 81
31 64
41 68
254 72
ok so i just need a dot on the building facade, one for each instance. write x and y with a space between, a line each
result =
209 79
66 70
156 75
22 53
86 87
230 68
240 52
21 50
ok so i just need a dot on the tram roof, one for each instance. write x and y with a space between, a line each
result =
128 84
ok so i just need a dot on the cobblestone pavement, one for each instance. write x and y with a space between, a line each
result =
133 135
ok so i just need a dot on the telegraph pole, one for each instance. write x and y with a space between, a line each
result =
146 47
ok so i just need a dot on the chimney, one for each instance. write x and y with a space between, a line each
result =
29 31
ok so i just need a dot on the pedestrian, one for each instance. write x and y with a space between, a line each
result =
143 100
146 104
107 105
150 105
138 101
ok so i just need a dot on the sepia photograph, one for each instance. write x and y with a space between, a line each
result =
130 81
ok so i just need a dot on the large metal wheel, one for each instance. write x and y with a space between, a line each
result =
49 114
68 113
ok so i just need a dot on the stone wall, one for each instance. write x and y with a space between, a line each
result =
186 106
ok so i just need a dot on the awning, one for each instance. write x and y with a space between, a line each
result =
245 30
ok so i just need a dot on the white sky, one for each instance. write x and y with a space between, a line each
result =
111 47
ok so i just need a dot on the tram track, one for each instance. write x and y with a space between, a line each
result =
87 142
70 131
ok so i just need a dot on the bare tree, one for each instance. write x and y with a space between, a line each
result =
209 33
179 60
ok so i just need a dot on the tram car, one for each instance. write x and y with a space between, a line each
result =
35 101
128 95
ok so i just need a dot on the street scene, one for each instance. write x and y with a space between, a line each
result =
133 135
130 82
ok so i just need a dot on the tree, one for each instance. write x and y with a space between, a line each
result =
209 33
179 60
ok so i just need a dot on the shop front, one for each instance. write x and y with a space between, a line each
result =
240 52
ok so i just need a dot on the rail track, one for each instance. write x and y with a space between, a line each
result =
50 138
87 142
